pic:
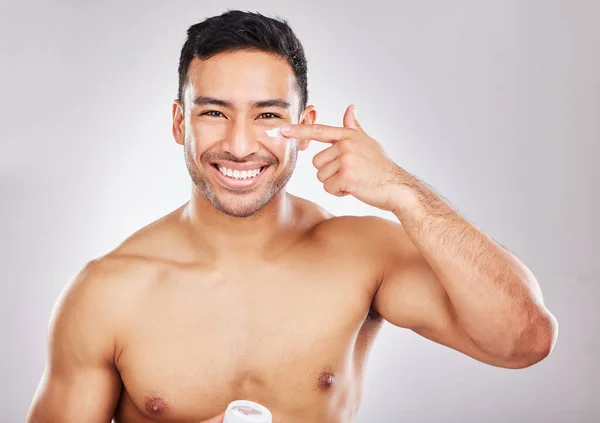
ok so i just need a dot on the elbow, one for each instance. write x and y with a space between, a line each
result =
535 342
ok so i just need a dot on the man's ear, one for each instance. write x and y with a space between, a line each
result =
178 122
309 117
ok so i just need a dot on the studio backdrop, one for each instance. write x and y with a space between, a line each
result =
496 104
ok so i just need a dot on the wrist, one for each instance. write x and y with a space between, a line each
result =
404 199
404 193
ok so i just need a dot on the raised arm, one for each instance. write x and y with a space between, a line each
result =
443 277
448 281
80 382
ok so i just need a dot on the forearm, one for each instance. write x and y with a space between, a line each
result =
497 299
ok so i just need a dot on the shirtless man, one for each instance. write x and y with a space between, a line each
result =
248 292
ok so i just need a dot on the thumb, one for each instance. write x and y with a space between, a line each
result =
350 118
216 419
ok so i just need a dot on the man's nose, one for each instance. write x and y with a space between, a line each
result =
241 140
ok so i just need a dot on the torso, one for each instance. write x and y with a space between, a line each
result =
291 332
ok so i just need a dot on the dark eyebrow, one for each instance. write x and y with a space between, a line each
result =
275 102
205 101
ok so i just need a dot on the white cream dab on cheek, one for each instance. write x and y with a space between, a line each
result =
274 133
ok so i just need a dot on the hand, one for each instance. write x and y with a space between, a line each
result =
355 163
216 419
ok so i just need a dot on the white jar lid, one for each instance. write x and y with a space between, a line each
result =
243 411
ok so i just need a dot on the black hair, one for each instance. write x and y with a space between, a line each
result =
236 30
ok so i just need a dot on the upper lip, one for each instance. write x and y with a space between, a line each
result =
239 166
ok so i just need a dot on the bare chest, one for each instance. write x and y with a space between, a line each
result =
285 336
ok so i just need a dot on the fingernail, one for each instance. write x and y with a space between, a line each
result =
285 128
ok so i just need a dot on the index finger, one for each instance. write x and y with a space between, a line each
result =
322 133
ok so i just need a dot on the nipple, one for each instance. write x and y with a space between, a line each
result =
326 380
155 405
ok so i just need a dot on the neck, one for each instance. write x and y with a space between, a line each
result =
224 235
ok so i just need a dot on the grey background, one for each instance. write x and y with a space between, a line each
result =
495 104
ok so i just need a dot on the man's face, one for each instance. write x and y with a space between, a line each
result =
230 102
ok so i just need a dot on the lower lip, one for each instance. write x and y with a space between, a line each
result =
239 183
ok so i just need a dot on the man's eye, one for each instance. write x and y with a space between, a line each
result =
272 115
211 113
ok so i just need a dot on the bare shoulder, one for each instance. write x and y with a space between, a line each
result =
91 316
358 225
105 288
372 234
369 242
84 324
101 290
135 260
113 273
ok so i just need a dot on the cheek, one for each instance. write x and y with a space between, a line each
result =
202 136
288 150
277 145
282 148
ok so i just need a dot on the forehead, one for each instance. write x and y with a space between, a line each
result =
243 76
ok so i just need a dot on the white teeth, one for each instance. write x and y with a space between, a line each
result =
239 174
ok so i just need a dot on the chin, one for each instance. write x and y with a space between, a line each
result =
238 211
238 207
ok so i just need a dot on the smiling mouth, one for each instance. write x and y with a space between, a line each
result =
239 175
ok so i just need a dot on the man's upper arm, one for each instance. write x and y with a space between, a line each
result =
411 295
80 382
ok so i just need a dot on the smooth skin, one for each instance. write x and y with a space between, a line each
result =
203 307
